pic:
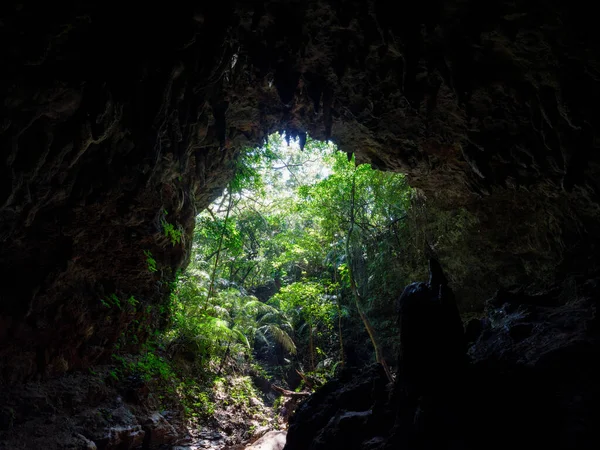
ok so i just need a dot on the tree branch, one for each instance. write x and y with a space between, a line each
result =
287 166
214 272
287 393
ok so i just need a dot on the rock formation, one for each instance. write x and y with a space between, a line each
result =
530 382
432 342
117 124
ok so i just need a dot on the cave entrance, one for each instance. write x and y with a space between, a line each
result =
294 268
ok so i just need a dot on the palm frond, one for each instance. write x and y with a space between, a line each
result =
280 337
221 312
269 317
242 337
258 307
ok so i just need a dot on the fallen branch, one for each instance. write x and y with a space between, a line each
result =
307 382
287 393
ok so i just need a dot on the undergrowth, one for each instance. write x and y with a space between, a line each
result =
204 392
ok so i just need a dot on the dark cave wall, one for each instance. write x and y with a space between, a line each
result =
101 152
112 117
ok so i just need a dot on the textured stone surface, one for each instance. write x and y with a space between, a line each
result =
531 382
111 116
273 440
158 432
81 411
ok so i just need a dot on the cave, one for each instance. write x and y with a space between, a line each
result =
113 115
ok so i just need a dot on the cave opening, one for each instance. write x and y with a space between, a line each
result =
294 269
117 126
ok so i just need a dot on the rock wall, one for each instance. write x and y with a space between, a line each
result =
118 122
82 411
529 381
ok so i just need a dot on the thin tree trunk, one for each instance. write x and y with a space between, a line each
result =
224 359
311 346
340 333
247 273
357 300
339 308
218 255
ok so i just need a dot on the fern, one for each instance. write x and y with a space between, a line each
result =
280 336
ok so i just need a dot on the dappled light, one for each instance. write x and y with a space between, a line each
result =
292 271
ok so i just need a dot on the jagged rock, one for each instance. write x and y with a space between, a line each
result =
113 121
432 338
345 429
122 438
7 418
158 432
531 383
86 444
473 330
431 364
113 428
79 411
344 401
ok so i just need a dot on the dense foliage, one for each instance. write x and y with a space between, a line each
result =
294 273
274 258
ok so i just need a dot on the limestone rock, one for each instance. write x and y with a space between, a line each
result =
273 440
158 432
122 438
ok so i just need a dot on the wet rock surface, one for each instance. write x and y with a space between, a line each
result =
273 440
214 440
530 382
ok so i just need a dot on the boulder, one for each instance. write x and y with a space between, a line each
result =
158 431
273 440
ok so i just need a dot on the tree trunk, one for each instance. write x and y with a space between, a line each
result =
219 247
357 300
339 308
311 346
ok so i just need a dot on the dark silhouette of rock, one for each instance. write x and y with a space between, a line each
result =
431 364
432 343
473 330
530 382
344 404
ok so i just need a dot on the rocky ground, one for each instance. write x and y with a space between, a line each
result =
88 411
80 411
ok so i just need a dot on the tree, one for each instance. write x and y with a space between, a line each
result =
353 287
327 233
358 209
309 308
